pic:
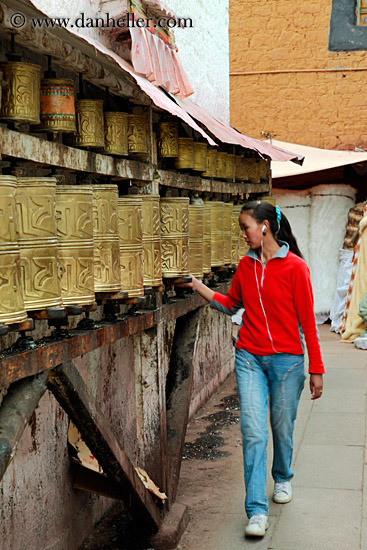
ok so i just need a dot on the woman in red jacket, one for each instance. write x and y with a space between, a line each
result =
272 284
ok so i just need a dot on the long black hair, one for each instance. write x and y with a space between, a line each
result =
263 210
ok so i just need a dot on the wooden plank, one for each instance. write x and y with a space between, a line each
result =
15 413
14 367
71 392
24 146
34 149
195 183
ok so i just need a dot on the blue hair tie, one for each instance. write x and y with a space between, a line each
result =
279 214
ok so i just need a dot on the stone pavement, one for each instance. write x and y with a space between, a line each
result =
329 507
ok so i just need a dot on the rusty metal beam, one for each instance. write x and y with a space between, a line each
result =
16 366
15 413
178 395
71 392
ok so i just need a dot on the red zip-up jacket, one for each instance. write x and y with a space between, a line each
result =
278 302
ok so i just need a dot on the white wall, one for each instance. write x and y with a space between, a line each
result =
204 52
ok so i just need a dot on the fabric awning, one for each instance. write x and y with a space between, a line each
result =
184 109
315 159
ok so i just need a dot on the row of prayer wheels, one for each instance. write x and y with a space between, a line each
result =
50 105
197 156
60 244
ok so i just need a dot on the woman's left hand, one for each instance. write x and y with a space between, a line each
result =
316 385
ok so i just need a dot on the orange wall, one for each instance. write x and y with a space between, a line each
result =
289 84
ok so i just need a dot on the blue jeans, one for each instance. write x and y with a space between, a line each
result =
281 377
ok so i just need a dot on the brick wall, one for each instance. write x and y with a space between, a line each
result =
290 84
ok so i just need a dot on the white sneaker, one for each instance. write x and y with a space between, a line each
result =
257 526
282 492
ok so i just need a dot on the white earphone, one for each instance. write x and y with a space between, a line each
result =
263 229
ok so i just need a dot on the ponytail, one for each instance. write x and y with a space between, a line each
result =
262 210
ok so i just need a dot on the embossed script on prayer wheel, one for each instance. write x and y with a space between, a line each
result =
115 127
138 134
74 204
36 216
131 245
167 135
217 234
244 170
264 170
221 165
21 92
106 239
89 123
200 153
253 170
11 300
196 238
227 231
211 164
236 233
175 236
185 159
237 167
207 241
57 105
230 167
152 266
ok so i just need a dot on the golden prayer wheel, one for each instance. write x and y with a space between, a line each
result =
271 200
37 232
221 165
131 245
74 213
237 167
196 238
244 169
253 170
200 153
57 105
185 159
106 239
89 123
217 223
211 164
207 241
138 134
21 92
152 265
115 128
11 299
236 233
227 232
175 236
167 139
230 168
264 170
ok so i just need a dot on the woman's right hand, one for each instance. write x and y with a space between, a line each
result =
194 283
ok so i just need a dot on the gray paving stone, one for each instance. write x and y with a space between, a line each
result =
336 429
319 519
329 466
341 400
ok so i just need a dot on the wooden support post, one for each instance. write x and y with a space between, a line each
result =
178 395
15 413
70 390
